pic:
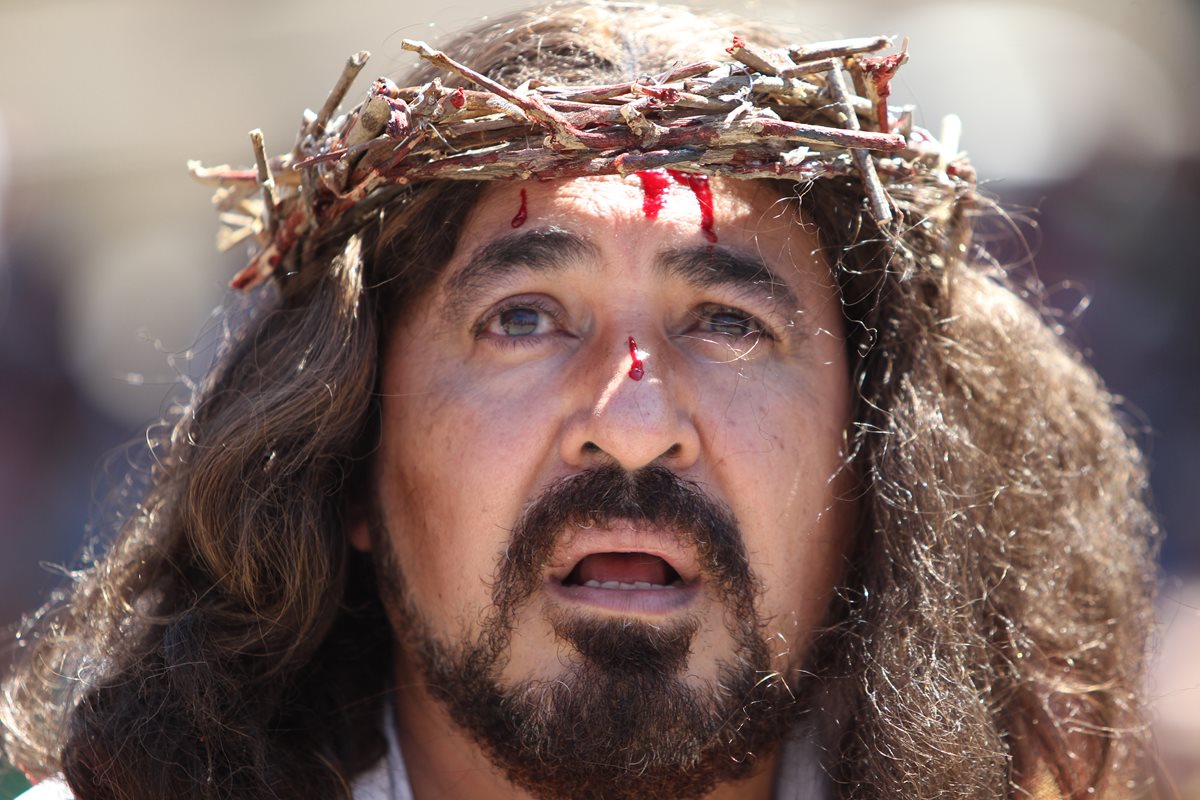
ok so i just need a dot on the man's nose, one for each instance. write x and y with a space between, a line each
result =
632 422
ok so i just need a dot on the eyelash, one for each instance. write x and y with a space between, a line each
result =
754 326
481 327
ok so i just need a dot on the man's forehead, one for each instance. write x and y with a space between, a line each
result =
609 196
583 220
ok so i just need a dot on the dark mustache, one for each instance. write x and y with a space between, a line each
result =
653 496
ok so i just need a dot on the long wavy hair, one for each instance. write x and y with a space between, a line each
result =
990 637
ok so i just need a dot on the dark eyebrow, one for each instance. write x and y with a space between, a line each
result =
707 265
538 250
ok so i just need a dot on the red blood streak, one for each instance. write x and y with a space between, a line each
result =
636 368
700 187
522 213
459 98
655 185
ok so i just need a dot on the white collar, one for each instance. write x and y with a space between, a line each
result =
388 779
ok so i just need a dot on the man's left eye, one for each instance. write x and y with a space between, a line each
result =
728 321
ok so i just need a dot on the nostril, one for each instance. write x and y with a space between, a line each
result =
591 447
673 450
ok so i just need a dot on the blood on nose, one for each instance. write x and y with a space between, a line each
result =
636 368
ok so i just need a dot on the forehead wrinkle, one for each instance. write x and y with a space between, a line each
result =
539 250
706 266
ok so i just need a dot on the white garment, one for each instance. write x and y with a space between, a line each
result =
48 790
388 779
800 776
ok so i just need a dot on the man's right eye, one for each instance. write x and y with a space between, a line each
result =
521 319
518 321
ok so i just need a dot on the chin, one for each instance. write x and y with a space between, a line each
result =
625 717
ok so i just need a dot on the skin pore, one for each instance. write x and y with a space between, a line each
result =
513 375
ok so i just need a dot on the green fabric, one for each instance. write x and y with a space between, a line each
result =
12 782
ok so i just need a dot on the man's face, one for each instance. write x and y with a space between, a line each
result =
539 508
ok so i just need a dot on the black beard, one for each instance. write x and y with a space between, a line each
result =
621 722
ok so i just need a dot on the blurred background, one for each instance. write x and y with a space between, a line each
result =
1082 114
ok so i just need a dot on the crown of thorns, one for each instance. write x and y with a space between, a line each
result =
780 113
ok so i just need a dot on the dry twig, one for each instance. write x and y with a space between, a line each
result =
761 114
880 206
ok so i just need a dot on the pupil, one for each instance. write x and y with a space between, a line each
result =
519 321
730 323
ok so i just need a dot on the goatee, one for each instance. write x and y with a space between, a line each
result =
620 721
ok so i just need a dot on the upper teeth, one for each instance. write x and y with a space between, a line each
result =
635 585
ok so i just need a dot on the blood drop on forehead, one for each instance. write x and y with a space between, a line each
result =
523 212
703 190
656 184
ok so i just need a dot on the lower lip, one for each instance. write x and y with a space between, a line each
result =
650 602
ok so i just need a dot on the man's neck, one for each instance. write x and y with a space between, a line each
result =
444 762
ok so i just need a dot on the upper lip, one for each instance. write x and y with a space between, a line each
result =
625 537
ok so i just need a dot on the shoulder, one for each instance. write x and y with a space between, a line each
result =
53 789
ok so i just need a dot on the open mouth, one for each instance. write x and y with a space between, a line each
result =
627 582
624 572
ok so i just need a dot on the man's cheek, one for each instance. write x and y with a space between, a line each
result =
498 436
